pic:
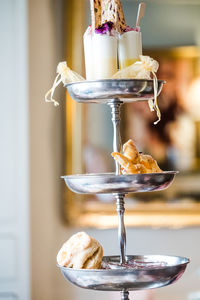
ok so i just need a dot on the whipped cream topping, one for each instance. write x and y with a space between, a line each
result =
106 28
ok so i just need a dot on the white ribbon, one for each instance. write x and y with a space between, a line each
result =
152 65
65 75
155 104
52 90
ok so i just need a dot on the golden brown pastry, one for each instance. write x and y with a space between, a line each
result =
149 163
132 162
81 251
128 166
131 151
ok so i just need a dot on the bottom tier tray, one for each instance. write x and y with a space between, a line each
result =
111 183
146 272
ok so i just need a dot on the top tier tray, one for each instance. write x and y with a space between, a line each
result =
103 91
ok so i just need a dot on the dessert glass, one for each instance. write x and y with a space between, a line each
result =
129 48
100 55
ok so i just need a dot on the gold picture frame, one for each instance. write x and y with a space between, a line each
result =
82 213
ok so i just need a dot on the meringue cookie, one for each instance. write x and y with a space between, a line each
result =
81 251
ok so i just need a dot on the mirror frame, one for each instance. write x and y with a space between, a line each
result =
98 214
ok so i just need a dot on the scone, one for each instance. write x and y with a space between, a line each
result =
81 251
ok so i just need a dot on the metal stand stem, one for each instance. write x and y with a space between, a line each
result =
117 147
124 295
115 105
121 226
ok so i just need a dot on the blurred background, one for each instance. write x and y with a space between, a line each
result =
34 39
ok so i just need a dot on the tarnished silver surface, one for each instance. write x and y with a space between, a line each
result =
166 270
115 105
101 91
121 226
106 183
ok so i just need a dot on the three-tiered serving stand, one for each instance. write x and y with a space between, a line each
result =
150 271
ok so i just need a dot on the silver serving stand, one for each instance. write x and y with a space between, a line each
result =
153 271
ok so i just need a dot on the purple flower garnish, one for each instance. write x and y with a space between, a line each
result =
104 28
128 28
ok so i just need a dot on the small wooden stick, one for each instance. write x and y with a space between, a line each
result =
140 14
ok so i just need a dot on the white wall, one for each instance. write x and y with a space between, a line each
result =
14 182
46 167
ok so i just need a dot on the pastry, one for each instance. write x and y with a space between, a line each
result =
130 150
128 166
133 162
81 251
149 163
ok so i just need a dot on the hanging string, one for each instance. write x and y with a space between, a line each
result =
155 103
52 90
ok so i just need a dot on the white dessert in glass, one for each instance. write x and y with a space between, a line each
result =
100 48
129 48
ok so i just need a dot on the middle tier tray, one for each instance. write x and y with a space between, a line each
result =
103 91
106 183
